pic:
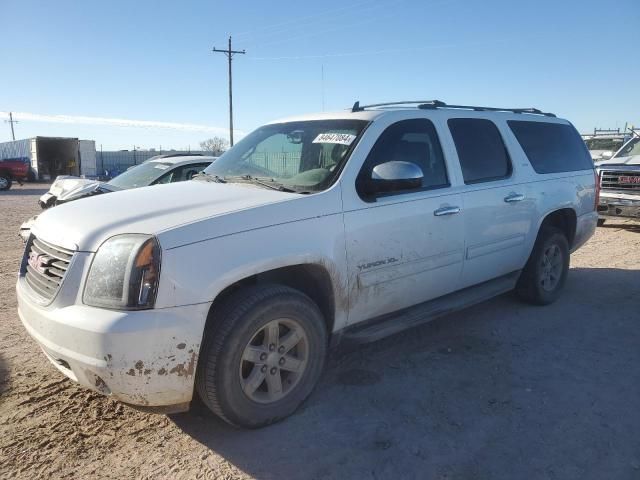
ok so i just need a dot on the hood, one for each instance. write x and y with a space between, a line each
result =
152 210
632 160
596 154
66 186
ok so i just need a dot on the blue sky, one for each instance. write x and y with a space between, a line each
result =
152 61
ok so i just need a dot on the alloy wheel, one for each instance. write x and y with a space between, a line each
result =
551 267
274 360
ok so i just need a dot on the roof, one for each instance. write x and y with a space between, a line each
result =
373 111
438 104
176 159
367 115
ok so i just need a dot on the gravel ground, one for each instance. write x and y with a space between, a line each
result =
502 391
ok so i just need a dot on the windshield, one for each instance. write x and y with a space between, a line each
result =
604 143
630 149
301 156
139 176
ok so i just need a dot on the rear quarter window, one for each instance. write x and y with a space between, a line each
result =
552 147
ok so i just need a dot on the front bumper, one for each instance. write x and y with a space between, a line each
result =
619 205
145 358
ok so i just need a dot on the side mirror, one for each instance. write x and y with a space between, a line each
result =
606 155
394 177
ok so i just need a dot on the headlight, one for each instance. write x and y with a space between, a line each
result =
124 273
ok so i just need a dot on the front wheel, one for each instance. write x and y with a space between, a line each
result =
5 182
601 222
545 273
262 356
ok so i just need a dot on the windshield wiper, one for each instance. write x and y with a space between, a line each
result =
265 182
207 177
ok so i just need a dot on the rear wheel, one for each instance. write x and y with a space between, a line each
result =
5 181
601 221
262 356
545 273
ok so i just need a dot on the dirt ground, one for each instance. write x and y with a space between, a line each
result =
502 391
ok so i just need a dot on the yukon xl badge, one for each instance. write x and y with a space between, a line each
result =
377 263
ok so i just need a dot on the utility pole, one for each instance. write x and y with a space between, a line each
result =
11 121
229 53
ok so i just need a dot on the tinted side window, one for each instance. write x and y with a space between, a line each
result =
413 141
551 147
483 156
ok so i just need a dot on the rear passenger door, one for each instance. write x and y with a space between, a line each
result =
499 209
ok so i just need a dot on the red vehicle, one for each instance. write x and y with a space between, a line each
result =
13 169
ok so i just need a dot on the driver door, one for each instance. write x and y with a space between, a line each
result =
404 247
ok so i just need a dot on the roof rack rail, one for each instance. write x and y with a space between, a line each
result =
359 108
433 104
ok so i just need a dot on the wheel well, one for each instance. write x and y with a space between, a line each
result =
5 173
312 280
565 220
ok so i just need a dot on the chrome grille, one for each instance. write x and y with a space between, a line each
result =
45 267
610 179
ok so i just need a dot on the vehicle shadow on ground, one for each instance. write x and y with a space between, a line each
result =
629 227
500 390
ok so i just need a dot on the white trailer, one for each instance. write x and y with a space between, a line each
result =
53 156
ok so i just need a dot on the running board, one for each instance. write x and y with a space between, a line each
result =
391 323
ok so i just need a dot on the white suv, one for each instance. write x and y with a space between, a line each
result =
313 230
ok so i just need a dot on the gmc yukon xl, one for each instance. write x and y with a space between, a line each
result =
310 231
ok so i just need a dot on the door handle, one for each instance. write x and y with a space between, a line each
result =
446 211
514 197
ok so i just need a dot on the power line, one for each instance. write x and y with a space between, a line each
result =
277 28
389 50
229 53
346 25
12 121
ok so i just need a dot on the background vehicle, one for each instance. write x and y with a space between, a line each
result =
310 231
13 169
619 179
602 147
157 170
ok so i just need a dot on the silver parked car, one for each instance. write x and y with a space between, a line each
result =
157 170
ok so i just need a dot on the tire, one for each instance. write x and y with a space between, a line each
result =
5 181
237 331
601 222
543 278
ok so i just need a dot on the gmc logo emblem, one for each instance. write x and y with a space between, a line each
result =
629 179
39 262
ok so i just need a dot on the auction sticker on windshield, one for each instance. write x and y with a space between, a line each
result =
340 138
